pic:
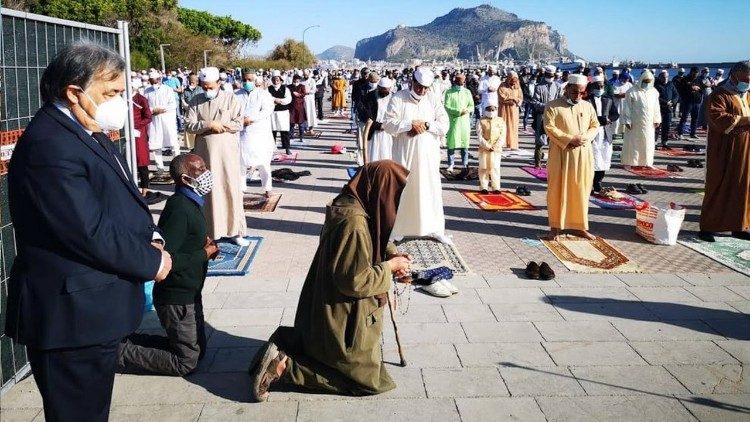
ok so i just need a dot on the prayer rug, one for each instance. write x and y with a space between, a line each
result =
161 179
590 256
678 153
540 173
234 260
521 153
280 157
472 174
313 134
649 172
429 253
259 202
503 201
734 253
351 171
621 201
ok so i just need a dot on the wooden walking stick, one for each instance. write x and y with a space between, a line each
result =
391 307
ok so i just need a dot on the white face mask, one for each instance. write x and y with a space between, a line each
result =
490 114
549 80
110 115
202 184
571 102
211 94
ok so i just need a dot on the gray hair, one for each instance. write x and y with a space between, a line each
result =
78 64
740 67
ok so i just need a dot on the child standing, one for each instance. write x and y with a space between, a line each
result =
490 130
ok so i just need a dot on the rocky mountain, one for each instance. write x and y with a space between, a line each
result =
467 34
337 52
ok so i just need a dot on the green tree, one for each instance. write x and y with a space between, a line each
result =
223 28
294 52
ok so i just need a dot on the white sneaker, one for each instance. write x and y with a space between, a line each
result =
437 289
450 286
239 241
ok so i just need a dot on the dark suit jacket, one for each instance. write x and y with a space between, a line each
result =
368 109
609 114
83 238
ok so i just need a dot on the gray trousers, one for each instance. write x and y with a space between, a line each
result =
178 353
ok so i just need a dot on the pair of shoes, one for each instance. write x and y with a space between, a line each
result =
484 191
523 191
706 236
535 271
268 367
635 189
692 148
742 235
674 168
167 152
698 164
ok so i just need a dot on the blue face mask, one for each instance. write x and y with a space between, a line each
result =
742 87
597 92
248 86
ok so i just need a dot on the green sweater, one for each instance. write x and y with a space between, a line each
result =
183 227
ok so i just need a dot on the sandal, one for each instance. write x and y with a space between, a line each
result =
266 370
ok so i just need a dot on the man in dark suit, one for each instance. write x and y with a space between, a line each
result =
85 238
601 145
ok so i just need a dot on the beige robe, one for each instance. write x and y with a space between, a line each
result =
509 112
570 171
225 216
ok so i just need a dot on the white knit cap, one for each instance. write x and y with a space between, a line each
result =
576 79
424 76
549 69
385 82
209 74
597 78
154 74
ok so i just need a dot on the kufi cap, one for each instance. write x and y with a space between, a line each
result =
576 79
222 75
144 77
615 72
385 82
276 73
663 72
597 78
720 71
682 69
424 76
136 83
549 69
154 74
491 102
209 74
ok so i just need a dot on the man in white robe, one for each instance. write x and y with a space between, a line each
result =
641 115
488 86
601 145
282 98
418 122
162 131
620 89
311 87
375 104
256 137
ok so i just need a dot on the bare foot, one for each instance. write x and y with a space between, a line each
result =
584 234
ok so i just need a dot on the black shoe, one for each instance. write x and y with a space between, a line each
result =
632 189
545 272
640 188
496 191
741 235
167 152
485 191
706 236
155 199
532 271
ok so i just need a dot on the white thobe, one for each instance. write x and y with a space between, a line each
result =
380 146
256 140
641 110
420 210
619 88
488 87
162 131
310 114
600 146
280 119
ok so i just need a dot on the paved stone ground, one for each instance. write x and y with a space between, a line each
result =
667 344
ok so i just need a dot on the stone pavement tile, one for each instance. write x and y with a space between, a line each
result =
580 353
287 318
737 348
501 332
652 280
464 382
470 282
626 380
261 412
255 300
214 300
625 408
742 306
693 310
241 336
525 312
20 415
419 313
664 294
683 329
218 387
423 355
159 412
157 390
233 359
512 295
464 297
210 284
499 409
737 329
468 313
604 311
728 278
589 280
578 331
425 332
413 410
295 284
682 353
715 293
541 381
233 317
23 395
499 354
743 291
718 407
511 280
588 294
247 284
712 379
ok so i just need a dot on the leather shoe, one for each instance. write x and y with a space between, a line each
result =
741 235
546 272
706 236
532 271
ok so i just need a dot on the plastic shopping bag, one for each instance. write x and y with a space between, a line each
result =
659 223
148 288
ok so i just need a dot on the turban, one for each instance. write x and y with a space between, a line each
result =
597 78
549 69
385 82
424 76
209 74
576 79
154 74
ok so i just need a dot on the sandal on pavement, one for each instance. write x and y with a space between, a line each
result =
266 370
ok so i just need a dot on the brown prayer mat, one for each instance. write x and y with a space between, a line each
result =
259 203
590 256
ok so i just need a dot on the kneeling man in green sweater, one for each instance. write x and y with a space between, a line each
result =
177 299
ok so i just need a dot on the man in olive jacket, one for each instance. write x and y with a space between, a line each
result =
178 299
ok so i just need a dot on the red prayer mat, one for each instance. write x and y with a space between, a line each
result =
678 153
503 201
650 172
284 158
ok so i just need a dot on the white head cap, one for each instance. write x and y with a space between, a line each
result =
385 82
491 102
663 72
615 72
576 79
597 78
549 69
492 67
424 76
209 74
136 83
222 76
276 73
720 71
154 74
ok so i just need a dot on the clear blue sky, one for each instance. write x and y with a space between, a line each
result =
666 30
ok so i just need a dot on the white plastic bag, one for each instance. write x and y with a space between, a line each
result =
659 223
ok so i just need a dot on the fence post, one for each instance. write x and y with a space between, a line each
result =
130 146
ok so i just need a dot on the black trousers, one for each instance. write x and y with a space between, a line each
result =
75 384
319 106
666 125
284 140
598 177
143 181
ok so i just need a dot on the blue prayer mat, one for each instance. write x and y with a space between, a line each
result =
351 171
234 260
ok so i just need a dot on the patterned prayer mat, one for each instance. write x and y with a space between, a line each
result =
163 179
540 174
429 253
259 203
623 201
234 260
590 256
649 172
473 174
313 134
734 253
280 157
503 201
678 153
